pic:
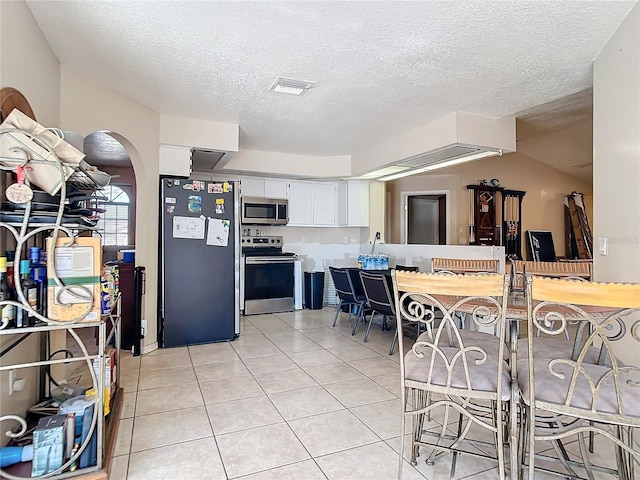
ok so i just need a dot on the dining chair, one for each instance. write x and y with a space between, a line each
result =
580 271
464 265
575 270
344 285
357 291
407 268
340 279
442 372
571 395
380 300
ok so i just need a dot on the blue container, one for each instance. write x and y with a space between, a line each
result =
128 256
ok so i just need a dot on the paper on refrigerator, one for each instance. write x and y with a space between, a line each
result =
188 227
218 232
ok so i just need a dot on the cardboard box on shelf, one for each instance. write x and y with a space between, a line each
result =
76 265
109 377
49 440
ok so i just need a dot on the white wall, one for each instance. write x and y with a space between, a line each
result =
616 161
38 79
27 62
205 134
289 164
86 107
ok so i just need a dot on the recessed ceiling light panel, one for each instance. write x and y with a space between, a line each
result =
291 86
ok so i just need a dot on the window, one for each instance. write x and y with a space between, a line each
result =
113 226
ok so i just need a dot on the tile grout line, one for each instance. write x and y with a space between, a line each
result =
206 412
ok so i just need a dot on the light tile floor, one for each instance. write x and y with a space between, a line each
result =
291 398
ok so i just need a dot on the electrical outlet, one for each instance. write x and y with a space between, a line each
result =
12 378
345 240
304 239
15 384
143 328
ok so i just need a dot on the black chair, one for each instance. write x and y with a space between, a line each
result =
380 300
357 290
345 291
406 268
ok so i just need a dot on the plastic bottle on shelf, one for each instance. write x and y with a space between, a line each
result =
30 291
105 298
15 454
10 254
6 293
39 275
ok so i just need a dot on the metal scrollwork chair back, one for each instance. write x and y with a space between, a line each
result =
464 265
446 372
590 390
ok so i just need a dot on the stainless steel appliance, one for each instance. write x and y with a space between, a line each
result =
268 276
199 261
265 211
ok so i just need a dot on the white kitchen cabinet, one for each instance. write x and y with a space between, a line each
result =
174 160
312 203
275 188
377 209
324 203
300 203
353 203
264 187
252 187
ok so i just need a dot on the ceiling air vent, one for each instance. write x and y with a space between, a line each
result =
291 86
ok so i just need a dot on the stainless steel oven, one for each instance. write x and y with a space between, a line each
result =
268 276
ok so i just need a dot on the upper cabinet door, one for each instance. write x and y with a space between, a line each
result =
275 188
252 187
175 160
324 203
300 201
353 203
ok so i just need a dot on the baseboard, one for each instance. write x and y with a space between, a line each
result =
150 348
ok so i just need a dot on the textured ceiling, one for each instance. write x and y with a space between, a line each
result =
560 134
381 68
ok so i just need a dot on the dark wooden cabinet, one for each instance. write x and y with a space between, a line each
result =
484 221
512 223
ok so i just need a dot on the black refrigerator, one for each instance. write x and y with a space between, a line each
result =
199 294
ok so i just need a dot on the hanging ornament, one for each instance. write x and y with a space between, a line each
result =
19 192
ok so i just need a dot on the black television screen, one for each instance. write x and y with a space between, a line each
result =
540 246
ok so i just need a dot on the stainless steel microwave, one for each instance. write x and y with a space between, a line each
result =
265 211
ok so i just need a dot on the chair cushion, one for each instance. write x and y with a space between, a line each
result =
549 388
483 377
487 341
556 348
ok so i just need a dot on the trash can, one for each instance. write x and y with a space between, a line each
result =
313 290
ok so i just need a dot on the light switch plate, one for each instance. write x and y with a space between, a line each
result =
603 245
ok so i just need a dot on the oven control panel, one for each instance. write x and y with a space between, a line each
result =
261 241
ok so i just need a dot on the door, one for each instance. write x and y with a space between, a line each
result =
426 219
200 262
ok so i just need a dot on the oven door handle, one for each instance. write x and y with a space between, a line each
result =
267 260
